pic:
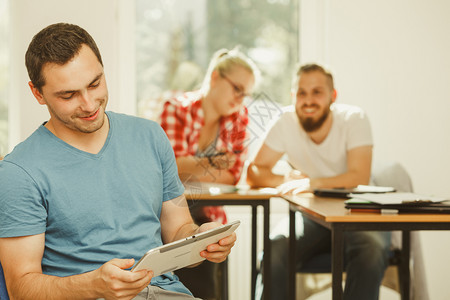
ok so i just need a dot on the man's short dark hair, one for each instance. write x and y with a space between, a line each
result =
57 43
308 68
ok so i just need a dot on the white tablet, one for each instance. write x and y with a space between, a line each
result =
184 252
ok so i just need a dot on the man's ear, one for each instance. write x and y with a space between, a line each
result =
334 96
293 96
36 93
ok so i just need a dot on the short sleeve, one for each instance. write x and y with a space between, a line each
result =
22 211
359 130
172 186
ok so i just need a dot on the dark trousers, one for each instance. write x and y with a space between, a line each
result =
366 254
204 281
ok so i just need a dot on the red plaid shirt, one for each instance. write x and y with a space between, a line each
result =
182 119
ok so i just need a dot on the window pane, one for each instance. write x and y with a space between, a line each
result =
3 78
176 39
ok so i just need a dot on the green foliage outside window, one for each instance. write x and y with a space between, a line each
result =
174 35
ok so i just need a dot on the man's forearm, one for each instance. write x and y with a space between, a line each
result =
40 286
185 231
346 180
263 177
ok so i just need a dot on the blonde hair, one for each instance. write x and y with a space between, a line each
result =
224 60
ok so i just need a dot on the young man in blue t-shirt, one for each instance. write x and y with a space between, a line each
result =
90 191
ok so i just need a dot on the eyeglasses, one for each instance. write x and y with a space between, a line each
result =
238 92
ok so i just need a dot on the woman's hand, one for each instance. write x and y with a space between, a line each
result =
223 161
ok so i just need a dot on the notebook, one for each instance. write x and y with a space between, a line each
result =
409 207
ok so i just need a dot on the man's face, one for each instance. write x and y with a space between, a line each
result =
75 93
314 98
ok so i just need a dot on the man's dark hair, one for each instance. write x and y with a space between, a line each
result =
57 43
316 68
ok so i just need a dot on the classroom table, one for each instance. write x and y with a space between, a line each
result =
253 198
332 214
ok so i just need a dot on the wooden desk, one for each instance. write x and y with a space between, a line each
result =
254 199
331 213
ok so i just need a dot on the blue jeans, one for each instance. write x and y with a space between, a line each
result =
366 257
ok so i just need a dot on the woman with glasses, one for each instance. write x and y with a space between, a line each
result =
207 130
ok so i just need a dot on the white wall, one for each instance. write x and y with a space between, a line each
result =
393 59
111 24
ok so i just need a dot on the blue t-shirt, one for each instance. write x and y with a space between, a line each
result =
92 207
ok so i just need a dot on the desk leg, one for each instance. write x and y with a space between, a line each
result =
267 251
292 263
337 260
404 265
254 254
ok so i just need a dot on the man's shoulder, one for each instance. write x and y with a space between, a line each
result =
346 108
20 167
135 129
31 149
284 122
347 111
288 115
132 120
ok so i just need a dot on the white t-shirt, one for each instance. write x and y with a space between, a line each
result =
350 129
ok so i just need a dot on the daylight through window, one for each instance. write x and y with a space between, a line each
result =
176 38
3 78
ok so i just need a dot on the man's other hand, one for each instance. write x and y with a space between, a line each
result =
295 186
219 251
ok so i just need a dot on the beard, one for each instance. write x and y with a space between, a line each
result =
311 125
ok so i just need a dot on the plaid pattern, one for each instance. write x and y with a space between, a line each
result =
182 119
